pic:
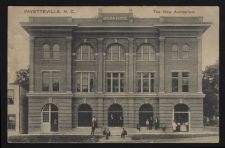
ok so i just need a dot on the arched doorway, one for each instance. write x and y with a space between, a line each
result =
115 116
181 117
49 114
145 113
84 115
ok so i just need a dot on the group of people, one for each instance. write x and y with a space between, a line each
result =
116 121
180 127
150 124
107 133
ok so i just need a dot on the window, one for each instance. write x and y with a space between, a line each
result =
84 81
146 53
55 81
12 122
174 51
48 112
185 81
46 51
145 82
185 52
115 53
174 81
180 81
45 81
50 81
85 53
10 97
56 51
115 82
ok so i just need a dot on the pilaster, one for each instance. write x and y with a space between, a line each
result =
100 65
199 39
131 65
161 64
31 80
69 45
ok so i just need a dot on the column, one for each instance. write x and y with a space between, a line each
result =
131 113
100 112
131 65
69 45
31 81
161 64
199 39
100 66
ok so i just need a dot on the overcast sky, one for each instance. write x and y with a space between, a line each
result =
18 42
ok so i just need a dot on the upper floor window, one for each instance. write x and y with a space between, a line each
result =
85 53
50 81
115 52
115 82
11 122
146 53
10 97
145 82
185 51
180 81
56 51
185 81
84 81
46 51
174 51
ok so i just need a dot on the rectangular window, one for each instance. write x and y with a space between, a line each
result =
84 81
45 81
145 82
78 82
174 81
115 82
185 81
55 81
45 116
10 97
12 122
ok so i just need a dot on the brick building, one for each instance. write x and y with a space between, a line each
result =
119 68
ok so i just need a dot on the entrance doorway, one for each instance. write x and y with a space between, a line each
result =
115 116
145 113
84 115
181 117
50 118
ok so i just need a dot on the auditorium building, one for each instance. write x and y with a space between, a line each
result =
121 69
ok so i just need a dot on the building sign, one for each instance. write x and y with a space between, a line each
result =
115 18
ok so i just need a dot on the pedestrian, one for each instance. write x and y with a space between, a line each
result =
150 123
138 127
156 123
147 124
93 128
107 134
174 125
104 132
123 133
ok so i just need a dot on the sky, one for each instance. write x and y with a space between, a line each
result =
18 39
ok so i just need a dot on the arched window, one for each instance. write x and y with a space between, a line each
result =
115 52
84 115
56 51
174 51
181 117
50 116
115 115
146 53
145 113
185 51
85 53
46 51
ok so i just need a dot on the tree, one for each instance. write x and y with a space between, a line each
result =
210 87
22 78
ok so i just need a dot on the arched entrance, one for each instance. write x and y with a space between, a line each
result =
181 117
49 114
84 115
145 113
115 116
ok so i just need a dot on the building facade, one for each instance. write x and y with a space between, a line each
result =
17 110
119 68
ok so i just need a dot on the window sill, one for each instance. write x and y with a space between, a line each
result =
50 59
146 60
181 59
115 60
85 60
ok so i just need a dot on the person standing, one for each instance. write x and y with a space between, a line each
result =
147 124
174 125
123 133
107 134
138 127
